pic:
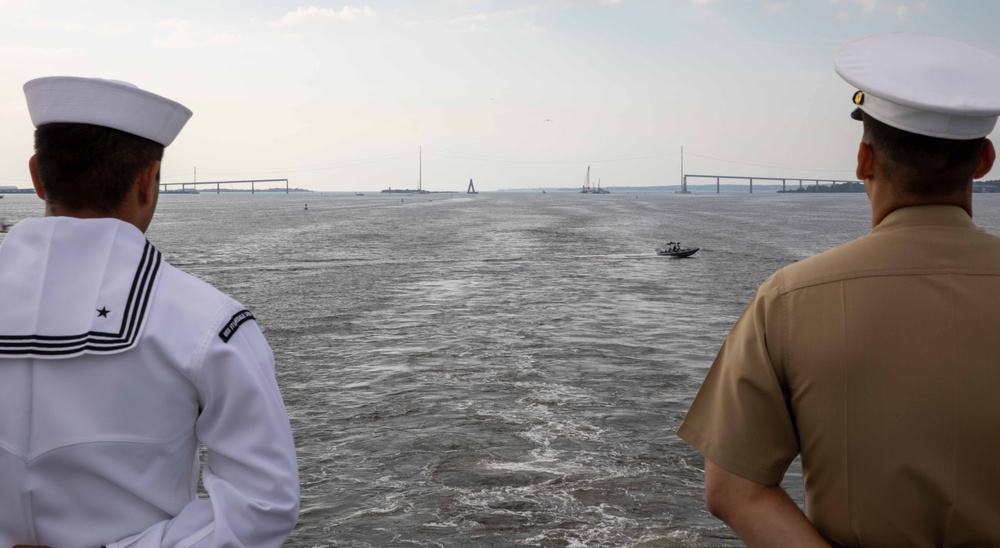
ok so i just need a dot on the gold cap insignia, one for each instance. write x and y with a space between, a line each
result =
859 97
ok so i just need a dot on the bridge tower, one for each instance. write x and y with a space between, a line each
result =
472 188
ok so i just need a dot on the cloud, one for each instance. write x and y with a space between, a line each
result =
585 2
301 16
180 37
517 20
28 58
531 27
775 7
68 26
76 26
25 53
183 35
486 16
867 6
221 39
901 11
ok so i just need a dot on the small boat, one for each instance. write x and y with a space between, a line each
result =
359 193
674 249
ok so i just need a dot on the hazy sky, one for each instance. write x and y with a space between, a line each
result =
337 96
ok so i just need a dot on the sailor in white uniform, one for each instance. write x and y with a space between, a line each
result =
115 366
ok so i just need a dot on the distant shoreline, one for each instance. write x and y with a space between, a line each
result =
421 191
697 189
992 186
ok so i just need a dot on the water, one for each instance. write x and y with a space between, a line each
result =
502 369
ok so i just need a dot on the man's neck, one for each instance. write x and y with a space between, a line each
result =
54 210
885 199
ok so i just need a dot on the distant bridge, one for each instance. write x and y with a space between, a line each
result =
218 185
784 181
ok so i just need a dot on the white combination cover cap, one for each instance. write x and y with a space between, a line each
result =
924 84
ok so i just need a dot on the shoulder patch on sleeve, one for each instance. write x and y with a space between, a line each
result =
235 322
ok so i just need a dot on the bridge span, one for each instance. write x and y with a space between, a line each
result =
784 181
184 187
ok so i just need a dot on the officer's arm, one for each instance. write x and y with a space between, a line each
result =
762 515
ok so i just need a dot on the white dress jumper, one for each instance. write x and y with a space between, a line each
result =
114 367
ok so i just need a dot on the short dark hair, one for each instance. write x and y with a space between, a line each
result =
922 165
83 166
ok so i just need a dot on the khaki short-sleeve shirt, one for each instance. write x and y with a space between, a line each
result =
879 362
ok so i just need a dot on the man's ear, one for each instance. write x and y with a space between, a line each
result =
35 179
149 184
986 160
866 162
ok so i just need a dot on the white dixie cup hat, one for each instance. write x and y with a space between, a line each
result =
108 103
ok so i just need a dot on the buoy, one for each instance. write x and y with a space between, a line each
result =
306 208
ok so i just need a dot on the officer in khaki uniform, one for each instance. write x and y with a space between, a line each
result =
878 361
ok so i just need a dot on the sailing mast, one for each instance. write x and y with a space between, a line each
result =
586 183
420 173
